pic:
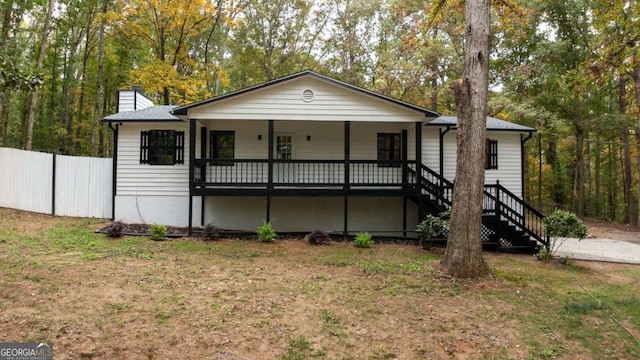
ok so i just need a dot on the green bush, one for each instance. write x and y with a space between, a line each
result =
158 232
432 227
560 225
363 240
266 232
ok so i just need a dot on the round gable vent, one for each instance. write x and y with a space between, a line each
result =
308 95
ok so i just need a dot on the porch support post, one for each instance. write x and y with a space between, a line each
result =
419 167
203 169
345 231
347 155
347 176
404 216
270 159
405 154
270 171
441 150
418 146
192 164
268 208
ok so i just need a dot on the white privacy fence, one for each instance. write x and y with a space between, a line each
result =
55 184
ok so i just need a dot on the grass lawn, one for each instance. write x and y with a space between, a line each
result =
96 297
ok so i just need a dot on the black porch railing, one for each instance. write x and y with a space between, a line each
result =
211 173
497 201
515 211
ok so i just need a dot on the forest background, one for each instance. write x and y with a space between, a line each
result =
571 69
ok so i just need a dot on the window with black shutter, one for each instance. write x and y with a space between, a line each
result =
389 149
491 157
162 147
221 148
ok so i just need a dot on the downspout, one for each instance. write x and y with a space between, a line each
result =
522 160
114 170
442 134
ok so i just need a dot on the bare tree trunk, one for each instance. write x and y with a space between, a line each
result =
636 80
578 185
97 113
463 256
34 94
598 160
626 154
4 93
612 193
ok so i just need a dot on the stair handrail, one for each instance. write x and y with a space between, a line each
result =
436 190
529 220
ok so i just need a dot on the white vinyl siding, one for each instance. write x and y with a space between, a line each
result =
142 179
284 102
509 170
431 148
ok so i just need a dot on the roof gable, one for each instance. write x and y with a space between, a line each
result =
306 91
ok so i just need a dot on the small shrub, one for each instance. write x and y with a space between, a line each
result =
266 232
561 225
432 227
114 230
317 237
158 232
363 240
544 254
211 232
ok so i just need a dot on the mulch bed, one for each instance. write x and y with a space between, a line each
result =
177 232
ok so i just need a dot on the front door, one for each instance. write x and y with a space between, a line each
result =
284 146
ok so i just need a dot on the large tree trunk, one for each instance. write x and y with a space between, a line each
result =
6 24
463 256
34 94
97 109
626 154
636 80
578 185
597 196
612 189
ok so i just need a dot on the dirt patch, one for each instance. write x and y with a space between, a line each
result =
131 297
614 231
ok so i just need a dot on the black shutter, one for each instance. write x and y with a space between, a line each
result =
144 147
179 146
492 154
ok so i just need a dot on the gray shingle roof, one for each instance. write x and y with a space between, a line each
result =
492 124
154 113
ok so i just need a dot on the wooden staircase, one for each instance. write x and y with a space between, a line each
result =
508 222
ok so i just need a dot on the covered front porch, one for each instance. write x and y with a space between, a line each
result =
292 159
228 157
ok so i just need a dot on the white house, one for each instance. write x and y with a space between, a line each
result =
306 152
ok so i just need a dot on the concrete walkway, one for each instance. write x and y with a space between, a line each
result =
600 250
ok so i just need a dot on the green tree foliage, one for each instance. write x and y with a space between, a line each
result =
571 69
